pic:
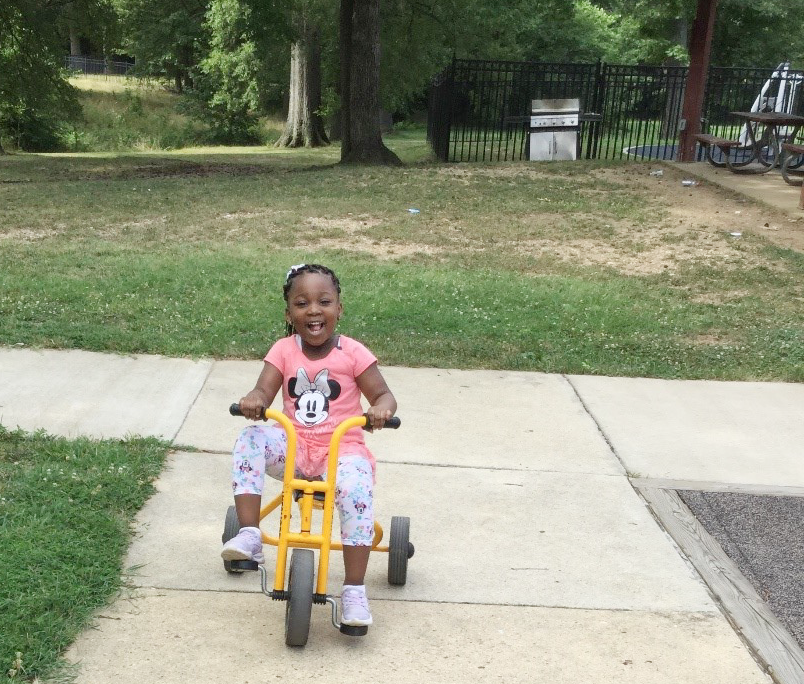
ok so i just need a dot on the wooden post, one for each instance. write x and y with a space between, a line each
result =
700 47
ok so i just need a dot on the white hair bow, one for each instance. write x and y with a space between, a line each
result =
293 269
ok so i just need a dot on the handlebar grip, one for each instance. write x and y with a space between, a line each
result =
234 410
393 423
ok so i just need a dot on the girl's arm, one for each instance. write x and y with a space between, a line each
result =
261 397
382 403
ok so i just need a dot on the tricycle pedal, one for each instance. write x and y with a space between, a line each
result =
354 630
242 565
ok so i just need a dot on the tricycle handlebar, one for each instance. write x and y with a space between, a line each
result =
392 423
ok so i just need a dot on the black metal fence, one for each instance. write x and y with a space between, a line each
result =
479 109
97 66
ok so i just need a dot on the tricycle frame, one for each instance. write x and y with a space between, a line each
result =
305 538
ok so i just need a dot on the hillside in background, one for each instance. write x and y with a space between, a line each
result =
131 114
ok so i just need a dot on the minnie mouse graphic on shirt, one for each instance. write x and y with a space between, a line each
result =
312 398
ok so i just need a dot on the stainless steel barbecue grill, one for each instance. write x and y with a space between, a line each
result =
554 127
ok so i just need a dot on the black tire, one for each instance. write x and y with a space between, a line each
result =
399 550
230 529
301 583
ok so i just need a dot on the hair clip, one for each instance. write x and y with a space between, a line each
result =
293 270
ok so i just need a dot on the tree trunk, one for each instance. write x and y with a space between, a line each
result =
184 63
72 27
345 58
675 87
304 126
75 40
360 84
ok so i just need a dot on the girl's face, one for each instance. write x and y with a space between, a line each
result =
313 308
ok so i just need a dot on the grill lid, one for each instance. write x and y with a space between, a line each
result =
558 107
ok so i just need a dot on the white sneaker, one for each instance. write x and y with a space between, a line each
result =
354 606
246 545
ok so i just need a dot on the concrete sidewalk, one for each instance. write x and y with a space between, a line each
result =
765 188
536 557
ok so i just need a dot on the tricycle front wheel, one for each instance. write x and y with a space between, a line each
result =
230 529
301 582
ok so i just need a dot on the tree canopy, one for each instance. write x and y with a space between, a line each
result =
34 97
231 58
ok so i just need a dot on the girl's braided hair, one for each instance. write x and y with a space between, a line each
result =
307 268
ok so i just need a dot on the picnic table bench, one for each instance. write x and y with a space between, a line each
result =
792 158
723 144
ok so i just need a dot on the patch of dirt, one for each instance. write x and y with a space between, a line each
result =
351 234
698 225
183 168
708 339
350 224
503 171
705 208
157 169
28 234
650 260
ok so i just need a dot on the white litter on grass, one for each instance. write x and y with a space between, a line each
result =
413 211
658 173
736 234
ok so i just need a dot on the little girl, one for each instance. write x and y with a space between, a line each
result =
322 375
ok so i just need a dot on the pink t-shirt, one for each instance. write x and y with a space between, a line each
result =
319 395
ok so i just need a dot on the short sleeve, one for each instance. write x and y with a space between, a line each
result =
361 356
277 355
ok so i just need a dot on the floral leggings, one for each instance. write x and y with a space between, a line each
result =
261 450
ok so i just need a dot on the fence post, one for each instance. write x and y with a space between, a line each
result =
450 96
598 101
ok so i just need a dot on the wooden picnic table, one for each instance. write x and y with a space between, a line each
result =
766 133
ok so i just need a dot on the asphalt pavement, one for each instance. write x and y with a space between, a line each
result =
538 558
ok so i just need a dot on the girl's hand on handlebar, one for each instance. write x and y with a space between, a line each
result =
376 417
253 405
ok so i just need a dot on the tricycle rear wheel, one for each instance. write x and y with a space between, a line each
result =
399 550
301 581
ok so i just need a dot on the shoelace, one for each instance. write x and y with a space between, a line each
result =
354 599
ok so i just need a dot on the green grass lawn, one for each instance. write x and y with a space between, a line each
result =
184 254
66 508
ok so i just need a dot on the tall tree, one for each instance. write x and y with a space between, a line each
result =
360 84
36 101
304 126
228 76
72 21
758 33
747 32
165 38
92 24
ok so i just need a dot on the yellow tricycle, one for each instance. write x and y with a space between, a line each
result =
303 589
